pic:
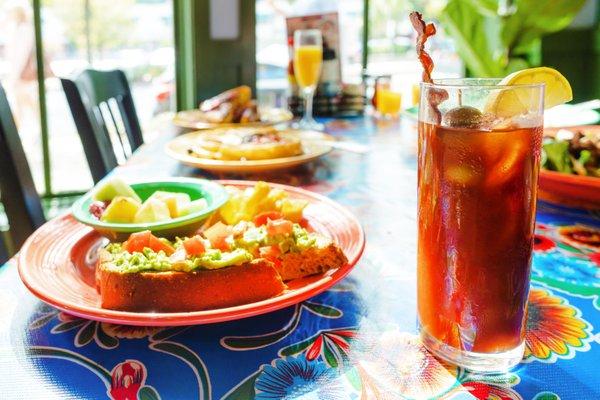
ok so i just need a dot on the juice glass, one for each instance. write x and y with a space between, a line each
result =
387 101
308 58
479 154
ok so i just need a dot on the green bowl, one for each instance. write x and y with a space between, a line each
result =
215 196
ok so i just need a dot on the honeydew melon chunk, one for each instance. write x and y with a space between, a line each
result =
193 207
175 201
121 210
110 188
153 210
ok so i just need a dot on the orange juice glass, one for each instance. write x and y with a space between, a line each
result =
388 102
307 65
416 94
308 57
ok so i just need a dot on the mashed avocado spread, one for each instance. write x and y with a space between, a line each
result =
255 237
243 249
150 260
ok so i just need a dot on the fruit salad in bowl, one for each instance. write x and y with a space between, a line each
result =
168 208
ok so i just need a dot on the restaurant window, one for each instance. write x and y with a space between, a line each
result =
133 35
390 43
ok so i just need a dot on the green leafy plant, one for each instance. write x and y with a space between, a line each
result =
497 37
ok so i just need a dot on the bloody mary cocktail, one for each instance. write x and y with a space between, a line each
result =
476 198
479 156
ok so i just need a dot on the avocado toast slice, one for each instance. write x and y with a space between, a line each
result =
224 267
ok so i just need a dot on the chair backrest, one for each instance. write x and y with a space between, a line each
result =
105 117
3 251
17 191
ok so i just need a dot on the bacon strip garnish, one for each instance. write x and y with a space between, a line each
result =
425 31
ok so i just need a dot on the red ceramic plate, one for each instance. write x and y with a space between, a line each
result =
57 265
569 189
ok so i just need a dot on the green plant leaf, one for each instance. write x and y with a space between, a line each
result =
297 347
546 396
189 357
85 334
264 340
493 45
569 248
43 320
105 340
476 36
56 352
485 7
67 326
244 391
148 393
167 333
329 354
323 310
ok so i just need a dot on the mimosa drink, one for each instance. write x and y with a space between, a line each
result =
307 65
308 58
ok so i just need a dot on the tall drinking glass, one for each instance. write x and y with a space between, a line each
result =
308 57
479 156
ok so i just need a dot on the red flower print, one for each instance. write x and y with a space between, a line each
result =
333 346
595 258
542 243
315 350
484 391
127 379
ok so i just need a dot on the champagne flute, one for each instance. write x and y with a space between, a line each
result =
308 57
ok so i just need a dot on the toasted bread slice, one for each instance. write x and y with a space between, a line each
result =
175 291
315 260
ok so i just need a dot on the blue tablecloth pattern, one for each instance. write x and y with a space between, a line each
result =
357 340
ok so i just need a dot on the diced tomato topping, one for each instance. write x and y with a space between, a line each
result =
194 246
139 240
271 253
157 245
305 224
218 234
263 218
279 227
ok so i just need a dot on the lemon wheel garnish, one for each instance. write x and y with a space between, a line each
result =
511 102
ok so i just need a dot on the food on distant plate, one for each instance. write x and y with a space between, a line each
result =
246 144
226 265
116 202
572 152
233 105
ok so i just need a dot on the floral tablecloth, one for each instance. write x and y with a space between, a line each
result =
355 341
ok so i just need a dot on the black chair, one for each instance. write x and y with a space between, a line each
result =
17 191
105 117
3 251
